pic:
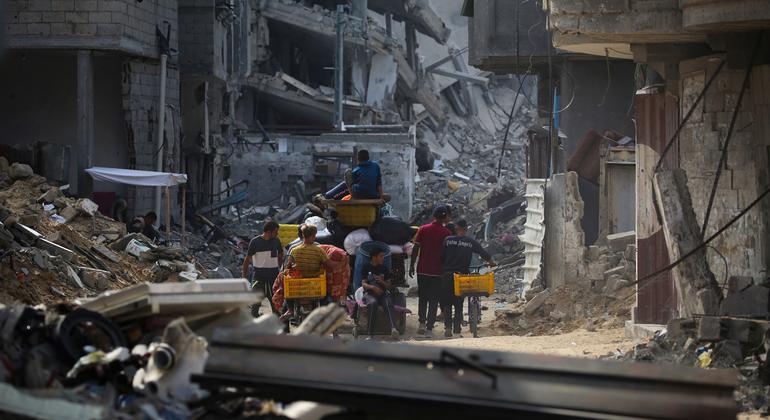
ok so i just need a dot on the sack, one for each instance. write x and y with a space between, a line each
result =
391 230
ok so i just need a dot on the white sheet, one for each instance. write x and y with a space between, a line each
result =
134 177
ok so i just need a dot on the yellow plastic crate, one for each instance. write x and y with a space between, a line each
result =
305 288
357 215
287 233
474 283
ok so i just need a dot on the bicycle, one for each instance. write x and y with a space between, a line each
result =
474 286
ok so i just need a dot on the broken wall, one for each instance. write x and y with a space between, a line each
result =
745 174
40 106
274 173
564 248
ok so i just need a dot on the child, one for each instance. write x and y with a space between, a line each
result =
377 286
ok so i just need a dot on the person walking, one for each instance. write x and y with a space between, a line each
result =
263 259
457 255
428 246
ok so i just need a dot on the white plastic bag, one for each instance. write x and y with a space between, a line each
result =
355 239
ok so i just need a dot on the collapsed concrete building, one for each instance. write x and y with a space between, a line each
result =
697 95
248 94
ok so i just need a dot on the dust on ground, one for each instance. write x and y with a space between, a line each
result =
578 343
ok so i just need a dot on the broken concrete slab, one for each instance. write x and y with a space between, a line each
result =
709 328
751 302
617 242
50 196
174 299
635 331
106 253
69 213
95 279
536 302
697 289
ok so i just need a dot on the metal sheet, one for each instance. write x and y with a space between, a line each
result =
378 376
657 116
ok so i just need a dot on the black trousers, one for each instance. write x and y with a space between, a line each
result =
262 280
452 319
384 301
429 295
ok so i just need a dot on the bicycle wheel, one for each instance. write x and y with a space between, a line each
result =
474 315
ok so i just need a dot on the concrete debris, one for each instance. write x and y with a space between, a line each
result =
20 171
715 343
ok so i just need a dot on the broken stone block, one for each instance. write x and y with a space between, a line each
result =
594 252
68 213
709 328
630 252
87 206
751 302
617 242
536 302
95 279
20 171
735 284
617 271
3 164
61 202
50 195
680 329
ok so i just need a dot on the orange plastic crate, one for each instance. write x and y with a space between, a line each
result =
474 284
305 288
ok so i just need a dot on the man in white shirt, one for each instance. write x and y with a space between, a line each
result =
264 256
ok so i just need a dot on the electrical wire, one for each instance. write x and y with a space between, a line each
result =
609 78
702 245
729 136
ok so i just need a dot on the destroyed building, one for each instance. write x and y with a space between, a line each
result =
82 81
694 90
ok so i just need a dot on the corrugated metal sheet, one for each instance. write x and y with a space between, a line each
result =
657 116
534 230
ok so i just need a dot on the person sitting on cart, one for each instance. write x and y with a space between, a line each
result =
308 258
366 178
457 256
377 287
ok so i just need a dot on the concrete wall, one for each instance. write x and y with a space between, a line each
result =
201 38
492 35
39 105
564 249
745 175
592 108
124 25
272 173
140 92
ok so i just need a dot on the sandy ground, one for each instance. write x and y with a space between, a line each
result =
579 343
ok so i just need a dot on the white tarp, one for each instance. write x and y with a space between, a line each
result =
134 177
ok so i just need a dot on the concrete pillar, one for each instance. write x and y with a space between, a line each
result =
697 289
85 123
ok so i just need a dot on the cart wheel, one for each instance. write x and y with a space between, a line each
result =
473 316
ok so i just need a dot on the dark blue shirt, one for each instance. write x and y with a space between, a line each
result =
366 180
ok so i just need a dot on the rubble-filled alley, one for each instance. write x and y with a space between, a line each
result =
370 209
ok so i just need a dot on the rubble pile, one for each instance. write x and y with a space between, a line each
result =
57 248
740 343
131 353
602 302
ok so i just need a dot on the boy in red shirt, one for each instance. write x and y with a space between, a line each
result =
429 245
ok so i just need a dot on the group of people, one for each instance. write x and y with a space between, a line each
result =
441 249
